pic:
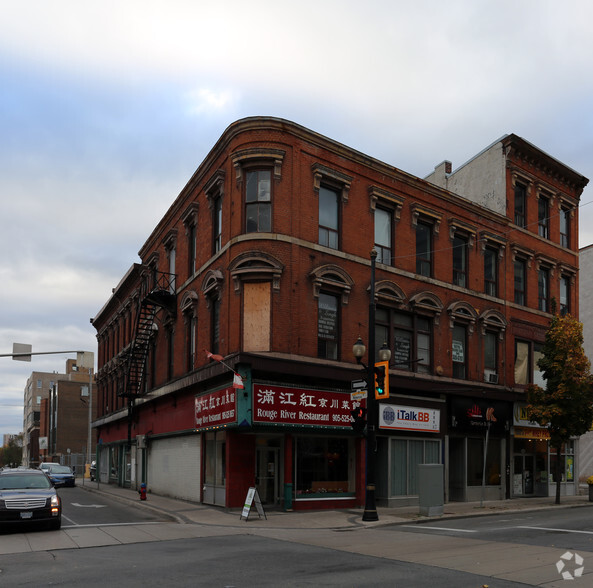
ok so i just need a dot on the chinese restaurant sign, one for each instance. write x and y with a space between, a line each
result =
216 409
293 406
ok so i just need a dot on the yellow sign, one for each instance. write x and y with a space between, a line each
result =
531 433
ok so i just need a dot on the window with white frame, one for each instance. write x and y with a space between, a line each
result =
527 355
258 201
329 217
520 204
564 226
491 271
543 216
543 289
328 326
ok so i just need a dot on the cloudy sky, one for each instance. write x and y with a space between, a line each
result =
106 109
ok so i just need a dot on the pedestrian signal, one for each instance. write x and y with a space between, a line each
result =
359 420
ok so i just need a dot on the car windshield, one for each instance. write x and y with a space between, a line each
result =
23 481
60 470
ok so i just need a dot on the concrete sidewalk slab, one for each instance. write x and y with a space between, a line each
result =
49 540
14 543
91 537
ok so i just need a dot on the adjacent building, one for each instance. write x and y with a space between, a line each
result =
586 316
261 268
36 390
57 416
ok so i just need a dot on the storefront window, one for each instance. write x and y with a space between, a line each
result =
114 465
566 462
475 462
406 455
323 467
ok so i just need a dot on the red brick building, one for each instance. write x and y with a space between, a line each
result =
64 418
264 259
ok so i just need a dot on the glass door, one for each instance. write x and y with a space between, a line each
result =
523 475
266 474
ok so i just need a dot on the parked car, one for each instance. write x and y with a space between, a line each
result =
28 496
44 465
60 475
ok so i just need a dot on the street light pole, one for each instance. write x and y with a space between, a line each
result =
370 507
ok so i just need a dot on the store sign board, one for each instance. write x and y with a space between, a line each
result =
409 418
473 414
216 409
295 406
520 417
531 433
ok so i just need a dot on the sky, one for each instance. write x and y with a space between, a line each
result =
107 108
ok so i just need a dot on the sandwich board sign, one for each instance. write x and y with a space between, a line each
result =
252 498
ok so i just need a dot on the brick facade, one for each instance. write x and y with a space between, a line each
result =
264 287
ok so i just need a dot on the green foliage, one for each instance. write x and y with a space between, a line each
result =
12 454
565 406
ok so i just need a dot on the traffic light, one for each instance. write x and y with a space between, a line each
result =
359 420
381 380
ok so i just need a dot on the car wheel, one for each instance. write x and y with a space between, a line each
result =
55 525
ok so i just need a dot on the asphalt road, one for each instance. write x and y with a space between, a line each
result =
80 508
570 528
126 544
239 561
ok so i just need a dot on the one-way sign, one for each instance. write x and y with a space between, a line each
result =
359 384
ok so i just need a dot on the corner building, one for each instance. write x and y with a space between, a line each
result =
264 261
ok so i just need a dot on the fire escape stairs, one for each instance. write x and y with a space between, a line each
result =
160 296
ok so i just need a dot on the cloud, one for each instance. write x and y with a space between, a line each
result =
203 101
107 109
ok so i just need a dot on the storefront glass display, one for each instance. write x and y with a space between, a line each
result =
566 463
406 455
323 467
475 462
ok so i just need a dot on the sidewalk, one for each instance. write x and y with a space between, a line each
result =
195 513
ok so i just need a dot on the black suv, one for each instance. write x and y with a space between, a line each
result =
28 496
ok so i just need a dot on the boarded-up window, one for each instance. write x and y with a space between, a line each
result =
256 316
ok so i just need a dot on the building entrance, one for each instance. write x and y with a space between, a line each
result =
523 475
266 474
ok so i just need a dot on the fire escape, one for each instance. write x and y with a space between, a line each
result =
157 291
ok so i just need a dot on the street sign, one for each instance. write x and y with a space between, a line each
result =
19 351
358 395
359 384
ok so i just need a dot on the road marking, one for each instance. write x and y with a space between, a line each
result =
557 530
89 505
439 528
111 524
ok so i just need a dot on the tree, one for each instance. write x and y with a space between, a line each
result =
565 406
12 454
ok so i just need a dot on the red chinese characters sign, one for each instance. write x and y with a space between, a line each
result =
216 409
294 406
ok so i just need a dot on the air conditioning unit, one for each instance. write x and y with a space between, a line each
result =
490 376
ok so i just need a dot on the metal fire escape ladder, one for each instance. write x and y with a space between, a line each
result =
139 350
152 298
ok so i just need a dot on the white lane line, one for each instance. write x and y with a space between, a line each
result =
438 528
557 530
111 524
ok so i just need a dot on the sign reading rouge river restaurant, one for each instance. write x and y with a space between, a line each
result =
294 406
216 409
